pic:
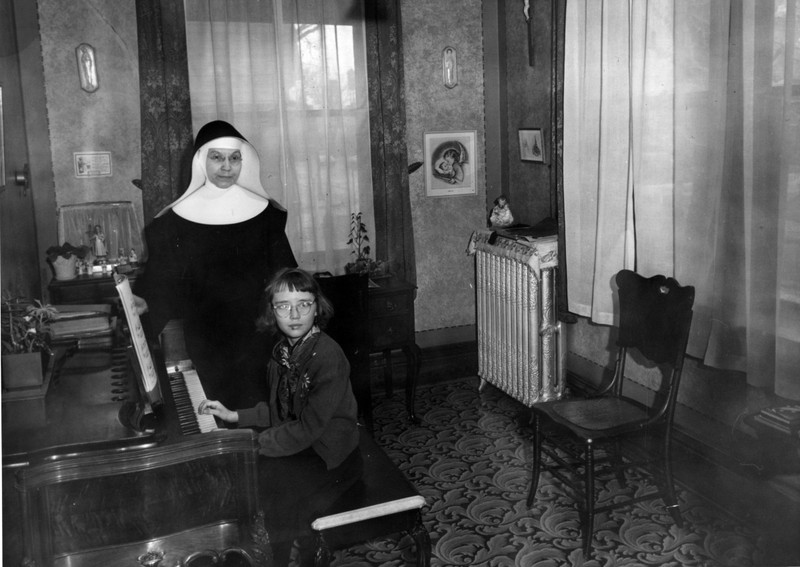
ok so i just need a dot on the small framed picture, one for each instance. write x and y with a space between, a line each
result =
92 164
450 163
531 145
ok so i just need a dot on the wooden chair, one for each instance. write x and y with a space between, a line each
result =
655 316
349 295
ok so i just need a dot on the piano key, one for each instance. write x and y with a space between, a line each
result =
197 395
187 392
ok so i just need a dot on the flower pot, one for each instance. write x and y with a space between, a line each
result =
23 370
64 268
357 267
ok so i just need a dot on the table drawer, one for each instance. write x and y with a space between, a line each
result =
389 304
390 331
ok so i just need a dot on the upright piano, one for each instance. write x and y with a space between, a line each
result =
118 469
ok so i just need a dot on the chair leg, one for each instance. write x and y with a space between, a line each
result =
413 355
588 515
670 499
388 382
537 460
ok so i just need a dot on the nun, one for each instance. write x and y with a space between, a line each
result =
210 255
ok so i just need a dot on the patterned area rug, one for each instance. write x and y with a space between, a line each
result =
470 458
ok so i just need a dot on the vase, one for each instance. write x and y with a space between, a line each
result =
64 268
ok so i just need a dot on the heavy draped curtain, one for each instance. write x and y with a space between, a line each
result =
387 110
299 92
164 95
681 130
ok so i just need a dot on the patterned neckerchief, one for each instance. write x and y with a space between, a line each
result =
290 360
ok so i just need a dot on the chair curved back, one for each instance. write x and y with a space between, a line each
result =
655 315
655 318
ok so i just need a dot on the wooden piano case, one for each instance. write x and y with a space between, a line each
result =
176 499
113 477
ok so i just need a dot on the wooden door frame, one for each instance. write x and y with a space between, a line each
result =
38 133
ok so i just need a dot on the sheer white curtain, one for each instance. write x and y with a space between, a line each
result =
290 75
681 157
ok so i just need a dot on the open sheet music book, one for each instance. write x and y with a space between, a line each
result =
139 340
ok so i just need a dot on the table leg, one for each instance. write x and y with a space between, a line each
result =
387 373
413 354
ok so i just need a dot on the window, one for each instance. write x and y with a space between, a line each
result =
298 92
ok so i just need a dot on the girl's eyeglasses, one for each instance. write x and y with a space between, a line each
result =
284 309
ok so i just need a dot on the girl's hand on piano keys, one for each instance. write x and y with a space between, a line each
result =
215 408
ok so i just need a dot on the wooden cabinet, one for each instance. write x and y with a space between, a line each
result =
391 327
92 491
94 288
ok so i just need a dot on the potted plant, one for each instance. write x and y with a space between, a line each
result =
64 258
359 242
26 348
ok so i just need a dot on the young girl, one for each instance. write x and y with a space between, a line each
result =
310 431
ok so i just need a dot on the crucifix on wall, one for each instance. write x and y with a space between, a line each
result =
526 9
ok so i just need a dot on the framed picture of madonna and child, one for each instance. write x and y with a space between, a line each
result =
450 163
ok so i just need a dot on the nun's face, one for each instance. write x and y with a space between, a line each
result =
223 167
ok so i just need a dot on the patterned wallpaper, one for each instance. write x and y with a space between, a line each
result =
106 120
442 225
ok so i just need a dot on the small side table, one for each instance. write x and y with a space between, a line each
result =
391 326
87 288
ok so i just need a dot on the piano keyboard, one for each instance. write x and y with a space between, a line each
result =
188 393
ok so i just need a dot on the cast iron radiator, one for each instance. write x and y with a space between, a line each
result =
521 349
